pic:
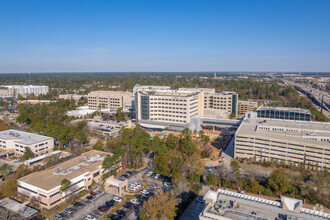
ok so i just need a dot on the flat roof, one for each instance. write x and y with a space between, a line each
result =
22 137
46 155
18 208
264 208
249 127
300 110
109 92
247 102
70 169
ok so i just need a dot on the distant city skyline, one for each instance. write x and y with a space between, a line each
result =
164 36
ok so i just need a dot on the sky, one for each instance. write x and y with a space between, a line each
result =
164 35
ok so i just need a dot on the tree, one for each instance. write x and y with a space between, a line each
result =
211 179
120 114
6 169
279 182
28 154
171 141
236 167
160 206
255 187
65 184
98 145
110 163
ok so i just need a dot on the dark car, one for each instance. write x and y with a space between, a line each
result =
90 197
109 204
121 212
114 217
92 193
129 173
128 206
138 196
103 208
78 204
113 201
36 218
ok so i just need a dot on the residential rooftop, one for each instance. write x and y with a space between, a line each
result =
22 137
70 169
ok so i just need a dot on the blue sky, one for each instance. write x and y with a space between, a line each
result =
164 35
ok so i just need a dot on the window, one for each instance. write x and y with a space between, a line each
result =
96 174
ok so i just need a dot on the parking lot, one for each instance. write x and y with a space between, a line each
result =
129 209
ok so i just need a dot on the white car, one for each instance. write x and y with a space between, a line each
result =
117 199
135 201
153 186
132 188
145 192
137 184
90 217
149 173
168 184
157 175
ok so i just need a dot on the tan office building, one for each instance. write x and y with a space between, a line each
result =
110 101
303 142
45 185
246 106
17 141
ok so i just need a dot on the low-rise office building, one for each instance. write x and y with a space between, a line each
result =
45 185
246 106
18 141
225 205
284 113
302 142
111 101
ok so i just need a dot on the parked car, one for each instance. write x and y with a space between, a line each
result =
114 217
135 201
167 184
128 205
90 197
153 186
79 204
144 192
121 212
109 204
58 216
103 208
157 175
153 175
149 173
117 199
68 211
90 217
92 193
200 200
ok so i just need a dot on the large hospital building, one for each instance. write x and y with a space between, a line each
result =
110 101
303 142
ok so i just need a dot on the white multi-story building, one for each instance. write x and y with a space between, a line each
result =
110 101
302 142
18 141
167 105
16 90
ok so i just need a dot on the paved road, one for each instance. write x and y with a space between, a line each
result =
317 95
